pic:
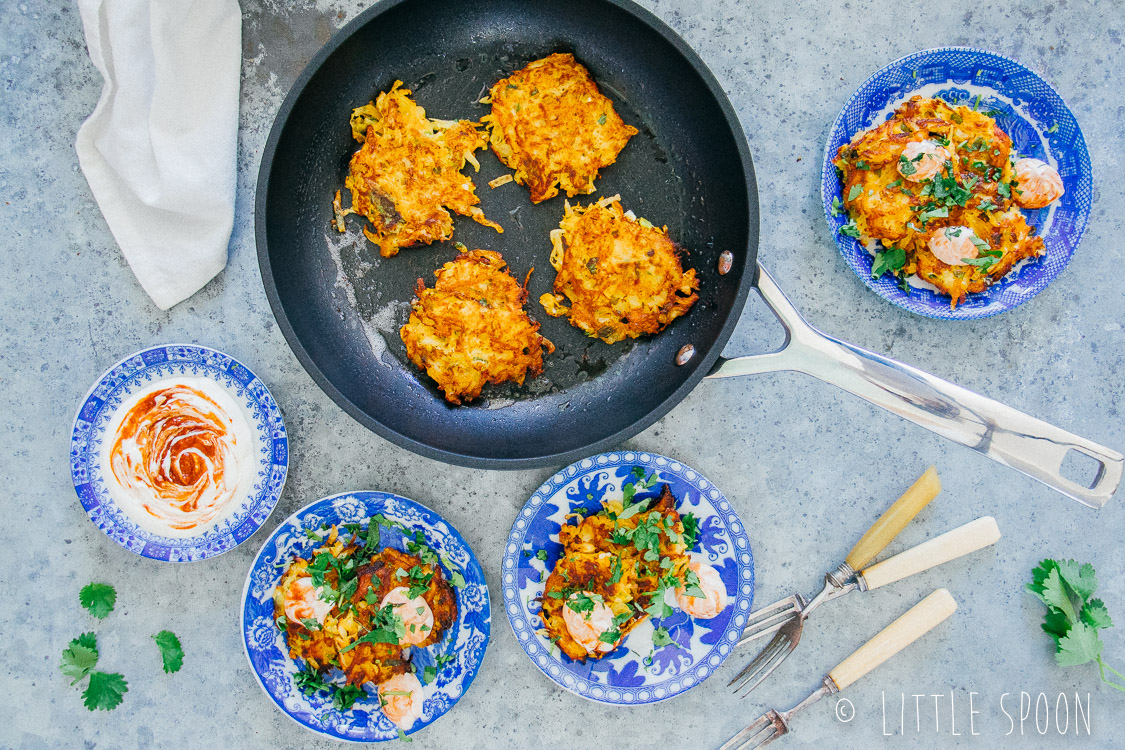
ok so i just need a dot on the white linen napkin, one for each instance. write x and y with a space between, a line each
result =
160 149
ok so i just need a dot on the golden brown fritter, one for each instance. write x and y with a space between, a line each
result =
973 188
621 275
408 172
331 644
471 327
625 574
551 124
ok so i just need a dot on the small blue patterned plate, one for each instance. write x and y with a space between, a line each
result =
1040 126
268 653
137 372
635 672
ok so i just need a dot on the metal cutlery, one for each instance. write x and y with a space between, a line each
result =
961 541
788 614
912 625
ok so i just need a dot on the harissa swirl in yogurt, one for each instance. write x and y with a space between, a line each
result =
178 456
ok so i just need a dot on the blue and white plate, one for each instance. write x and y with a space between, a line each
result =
1040 126
138 371
269 655
634 672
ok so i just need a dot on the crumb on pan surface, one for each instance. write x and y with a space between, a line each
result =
406 176
935 178
620 275
554 127
471 327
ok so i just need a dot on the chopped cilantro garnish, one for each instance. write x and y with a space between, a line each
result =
890 259
850 229
855 192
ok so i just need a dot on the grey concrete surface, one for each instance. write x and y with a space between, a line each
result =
807 467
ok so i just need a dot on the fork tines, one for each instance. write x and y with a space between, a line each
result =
768 619
764 663
762 732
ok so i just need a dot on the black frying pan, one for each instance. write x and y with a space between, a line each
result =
689 168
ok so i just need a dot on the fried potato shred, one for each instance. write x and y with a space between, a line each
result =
471 328
408 173
621 275
628 578
551 124
973 188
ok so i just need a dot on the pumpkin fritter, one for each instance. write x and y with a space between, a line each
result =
408 172
621 275
364 639
551 124
625 557
471 327
930 176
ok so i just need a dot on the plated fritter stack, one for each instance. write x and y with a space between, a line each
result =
620 274
471 328
552 124
408 173
938 187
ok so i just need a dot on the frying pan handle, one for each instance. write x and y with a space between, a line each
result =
1000 432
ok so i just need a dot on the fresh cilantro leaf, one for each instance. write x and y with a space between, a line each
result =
1080 578
691 585
456 579
1080 645
372 543
343 698
609 636
309 682
661 638
429 674
1096 615
855 192
894 184
98 598
615 571
403 736
691 530
170 650
79 657
601 119
861 164
1004 189
105 691
892 259
837 206
1055 624
850 229
542 555
658 608
584 602
1054 128
906 166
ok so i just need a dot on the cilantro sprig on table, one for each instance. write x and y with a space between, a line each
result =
1074 617
106 690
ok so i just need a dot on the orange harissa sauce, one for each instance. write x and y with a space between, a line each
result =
174 452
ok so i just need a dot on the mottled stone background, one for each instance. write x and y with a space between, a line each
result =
807 466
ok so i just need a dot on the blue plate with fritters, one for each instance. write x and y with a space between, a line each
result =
1040 126
456 657
637 671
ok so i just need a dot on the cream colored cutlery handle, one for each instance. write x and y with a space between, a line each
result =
916 622
941 549
895 519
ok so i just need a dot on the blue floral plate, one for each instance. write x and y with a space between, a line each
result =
635 672
138 371
265 645
1040 126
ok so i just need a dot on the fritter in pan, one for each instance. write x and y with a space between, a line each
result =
551 124
621 275
471 327
936 185
408 172
613 574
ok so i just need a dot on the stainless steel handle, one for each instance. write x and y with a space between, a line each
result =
1000 432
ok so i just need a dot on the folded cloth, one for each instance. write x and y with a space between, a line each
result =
160 149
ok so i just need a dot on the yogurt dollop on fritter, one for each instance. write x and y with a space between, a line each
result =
471 328
621 275
551 124
408 173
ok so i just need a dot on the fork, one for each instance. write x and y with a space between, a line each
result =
790 612
912 625
941 549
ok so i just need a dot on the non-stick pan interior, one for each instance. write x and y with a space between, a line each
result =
340 304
